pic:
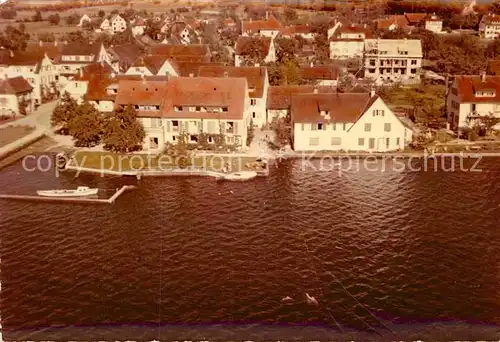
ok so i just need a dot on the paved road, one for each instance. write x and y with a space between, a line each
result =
40 119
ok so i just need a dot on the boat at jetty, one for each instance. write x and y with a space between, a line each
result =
78 192
239 176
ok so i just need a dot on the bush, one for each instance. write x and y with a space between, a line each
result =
250 133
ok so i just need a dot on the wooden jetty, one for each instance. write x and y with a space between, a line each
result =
110 200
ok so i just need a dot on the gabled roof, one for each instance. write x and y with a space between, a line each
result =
280 97
468 85
256 76
127 53
152 62
140 92
352 29
490 19
175 51
320 72
271 24
227 93
80 49
53 49
186 69
244 45
99 76
399 20
341 107
19 58
415 18
14 86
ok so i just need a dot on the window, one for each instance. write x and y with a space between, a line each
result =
378 112
302 127
334 126
314 127
386 142
387 127
368 127
473 107
397 141
177 108
175 125
413 71
413 62
253 102
253 115
313 141
320 127
138 69
344 126
336 141
371 143
198 109
153 143
361 141
224 109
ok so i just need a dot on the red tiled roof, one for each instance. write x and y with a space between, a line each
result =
80 49
342 107
468 85
365 33
14 86
99 76
139 92
245 44
23 58
399 20
176 51
271 24
279 97
320 72
490 18
53 50
415 18
255 76
152 62
186 69
127 53
206 92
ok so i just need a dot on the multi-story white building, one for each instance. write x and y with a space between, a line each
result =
193 105
393 60
37 69
349 41
347 122
117 24
489 27
258 85
472 97
14 94
76 55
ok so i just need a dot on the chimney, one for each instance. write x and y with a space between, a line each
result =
40 43
257 65
11 53
191 75
55 43
311 64
364 26
483 76
315 91
372 92
267 15
226 74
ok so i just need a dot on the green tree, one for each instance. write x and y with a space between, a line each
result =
14 39
64 112
493 49
102 14
86 125
122 131
250 133
72 20
495 7
285 49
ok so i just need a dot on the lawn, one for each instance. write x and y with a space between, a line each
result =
12 133
135 162
41 27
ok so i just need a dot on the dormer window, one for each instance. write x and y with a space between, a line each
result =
485 93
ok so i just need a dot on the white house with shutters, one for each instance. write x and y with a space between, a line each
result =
346 122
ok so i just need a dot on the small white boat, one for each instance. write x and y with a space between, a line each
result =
78 192
239 176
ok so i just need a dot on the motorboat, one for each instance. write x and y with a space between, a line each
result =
78 192
239 176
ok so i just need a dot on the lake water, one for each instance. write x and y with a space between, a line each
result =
393 254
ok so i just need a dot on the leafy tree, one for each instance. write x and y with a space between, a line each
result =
488 122
72 20
122 131
37 16
64 112
153 29
285 49
102 14
282 130
493 49
179 151
86 125
290 15
321 48
398 33
46 37
54 19
495 7
8 13
287 73
14 39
